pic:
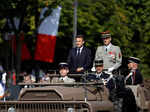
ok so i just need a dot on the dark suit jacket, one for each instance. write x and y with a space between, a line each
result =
137 80
83 60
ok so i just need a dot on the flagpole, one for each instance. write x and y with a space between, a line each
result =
75 22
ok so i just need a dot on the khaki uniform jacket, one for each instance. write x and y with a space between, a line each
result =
65 79
112 57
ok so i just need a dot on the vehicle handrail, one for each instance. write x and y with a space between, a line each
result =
63 84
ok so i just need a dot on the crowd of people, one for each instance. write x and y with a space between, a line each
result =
108 58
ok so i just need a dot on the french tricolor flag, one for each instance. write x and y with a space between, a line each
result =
46 39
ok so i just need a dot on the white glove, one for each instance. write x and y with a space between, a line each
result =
110 69
93 69
4 78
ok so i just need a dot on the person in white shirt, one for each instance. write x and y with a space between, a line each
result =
45 78
63 70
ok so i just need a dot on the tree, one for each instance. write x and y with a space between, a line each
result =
25 11
137 16
127 20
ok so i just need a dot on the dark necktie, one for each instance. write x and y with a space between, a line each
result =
61 79
78 51
133 76
106 49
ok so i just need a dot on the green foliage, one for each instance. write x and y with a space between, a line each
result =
137 14
128 21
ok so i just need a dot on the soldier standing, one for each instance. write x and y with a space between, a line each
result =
109 53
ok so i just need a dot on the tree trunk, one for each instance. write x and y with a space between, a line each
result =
18 55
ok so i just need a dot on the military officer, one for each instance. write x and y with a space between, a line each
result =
109 53
134 76
106 78
63 70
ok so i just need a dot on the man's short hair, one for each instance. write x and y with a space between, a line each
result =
80 36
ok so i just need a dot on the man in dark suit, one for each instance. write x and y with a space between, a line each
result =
79 58
134 76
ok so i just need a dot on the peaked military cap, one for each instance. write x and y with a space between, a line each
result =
98 62
105 34
63 65
134 60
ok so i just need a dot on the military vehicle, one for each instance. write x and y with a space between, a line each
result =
76 97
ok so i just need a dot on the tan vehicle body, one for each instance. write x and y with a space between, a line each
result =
79 98
75 97
141 96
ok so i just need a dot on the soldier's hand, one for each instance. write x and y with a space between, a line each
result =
79 69
110 69
93 69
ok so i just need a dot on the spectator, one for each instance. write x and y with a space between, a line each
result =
28 78
45 78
